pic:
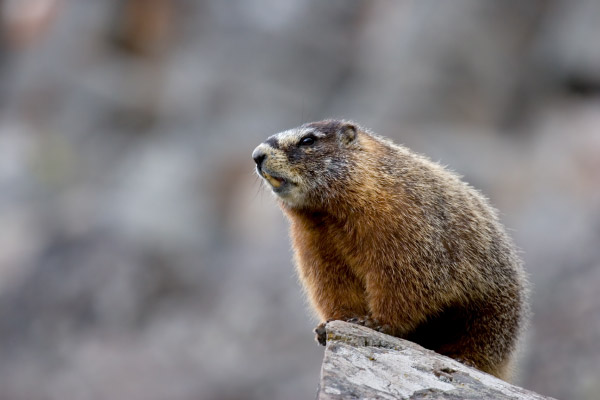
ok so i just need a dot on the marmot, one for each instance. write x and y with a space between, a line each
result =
388 238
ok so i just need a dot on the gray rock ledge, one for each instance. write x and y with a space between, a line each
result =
361 363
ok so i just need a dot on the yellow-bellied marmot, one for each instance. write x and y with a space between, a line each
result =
388 238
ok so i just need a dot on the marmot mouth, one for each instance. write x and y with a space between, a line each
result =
275 181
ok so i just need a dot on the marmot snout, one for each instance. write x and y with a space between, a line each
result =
387 237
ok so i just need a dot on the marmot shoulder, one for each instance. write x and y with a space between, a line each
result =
386 237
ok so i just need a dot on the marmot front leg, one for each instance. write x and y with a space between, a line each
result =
335 293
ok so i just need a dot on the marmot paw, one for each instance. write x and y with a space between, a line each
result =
370 322
466 362
321 334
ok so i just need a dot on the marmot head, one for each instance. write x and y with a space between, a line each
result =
307 166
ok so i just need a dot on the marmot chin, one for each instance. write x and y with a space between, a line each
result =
385 237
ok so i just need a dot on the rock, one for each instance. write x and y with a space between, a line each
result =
361 363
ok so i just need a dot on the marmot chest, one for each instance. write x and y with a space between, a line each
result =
351 243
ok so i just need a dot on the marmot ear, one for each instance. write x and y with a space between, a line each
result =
348 133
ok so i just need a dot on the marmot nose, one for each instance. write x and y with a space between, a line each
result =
259 155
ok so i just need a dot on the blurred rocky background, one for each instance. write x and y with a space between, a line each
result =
139 256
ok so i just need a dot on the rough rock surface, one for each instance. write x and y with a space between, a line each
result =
360 363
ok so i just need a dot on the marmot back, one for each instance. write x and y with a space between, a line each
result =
385 237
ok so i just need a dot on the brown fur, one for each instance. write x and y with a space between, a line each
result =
383 233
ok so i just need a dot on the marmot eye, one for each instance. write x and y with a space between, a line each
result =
307 141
